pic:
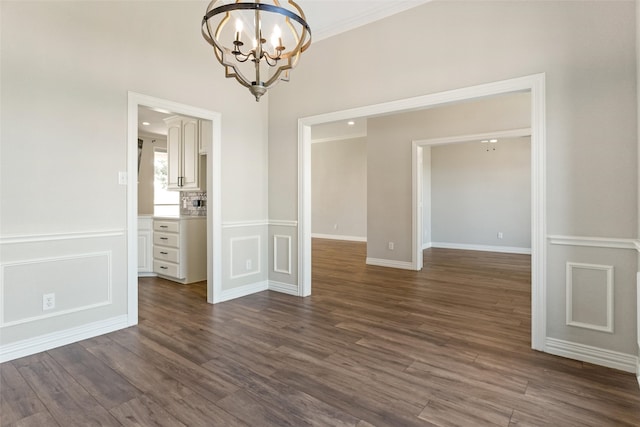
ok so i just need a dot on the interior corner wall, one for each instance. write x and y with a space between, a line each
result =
339 189
66 71
587 52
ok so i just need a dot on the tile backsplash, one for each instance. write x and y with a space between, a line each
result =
193 203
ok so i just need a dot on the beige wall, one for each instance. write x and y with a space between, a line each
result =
477 193
339 188
587 51
389 175
66 70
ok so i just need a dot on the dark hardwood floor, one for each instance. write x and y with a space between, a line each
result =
449 345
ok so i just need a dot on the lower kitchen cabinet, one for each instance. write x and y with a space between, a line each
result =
180 249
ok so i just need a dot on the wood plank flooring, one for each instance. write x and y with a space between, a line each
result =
373 346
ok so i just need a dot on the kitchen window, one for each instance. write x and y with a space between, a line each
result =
165 202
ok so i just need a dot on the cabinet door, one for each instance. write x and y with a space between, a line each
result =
206 130
174 153
144 251
191 154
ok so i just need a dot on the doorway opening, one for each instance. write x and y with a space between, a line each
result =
536 85
213 184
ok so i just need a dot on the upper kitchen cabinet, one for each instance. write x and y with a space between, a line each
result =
186 168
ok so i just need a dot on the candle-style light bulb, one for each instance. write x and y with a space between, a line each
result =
238 29
276 37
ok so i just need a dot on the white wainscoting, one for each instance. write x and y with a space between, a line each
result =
250 247
607 304
285 288
597 356
390 263
338 237
59 338
484 248
23 282
278 255
596 242
243 291
78 267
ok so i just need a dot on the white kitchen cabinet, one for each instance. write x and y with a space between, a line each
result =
186 168
145 246
180 249
206 130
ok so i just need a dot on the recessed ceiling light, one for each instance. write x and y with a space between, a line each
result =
493 141
351 123
145 123
484 141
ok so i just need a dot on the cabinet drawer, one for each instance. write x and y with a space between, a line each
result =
172 226
165 239
166 268
166 254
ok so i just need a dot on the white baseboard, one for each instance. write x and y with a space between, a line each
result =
285 288
426 245
338 237
57 339
242 291
484 248
390 263
597 356
147 275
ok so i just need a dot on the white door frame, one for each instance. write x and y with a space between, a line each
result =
536 85
214 210
416 163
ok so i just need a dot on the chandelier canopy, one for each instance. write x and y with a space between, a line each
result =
237 32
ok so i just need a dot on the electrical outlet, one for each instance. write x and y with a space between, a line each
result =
48 301
500 235
122 178
391 246
248 265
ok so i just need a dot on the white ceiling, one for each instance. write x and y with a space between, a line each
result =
330 17
326 18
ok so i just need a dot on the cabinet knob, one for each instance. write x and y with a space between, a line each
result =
164 238
164 226
164 253
164 268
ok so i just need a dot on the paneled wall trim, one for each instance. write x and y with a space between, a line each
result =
249 269
29 277
277 256
597 242
606 309
34 238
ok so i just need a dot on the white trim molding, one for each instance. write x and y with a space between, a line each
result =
56 313
285 288
276 254
534 83
36 238
597 356
338 237
596 242
608 269
214 195
57 339
283 223
484 248
404 265
243 291
240 224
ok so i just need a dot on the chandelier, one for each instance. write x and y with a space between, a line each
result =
242 48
